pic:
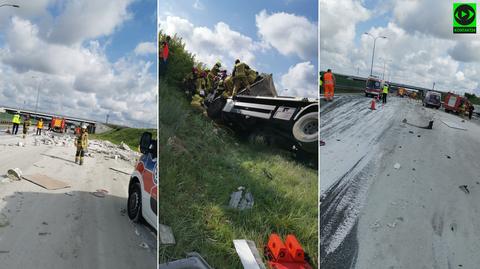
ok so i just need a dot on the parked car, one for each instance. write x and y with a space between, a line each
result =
143 185
432 99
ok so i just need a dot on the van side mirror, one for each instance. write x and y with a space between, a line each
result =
145 142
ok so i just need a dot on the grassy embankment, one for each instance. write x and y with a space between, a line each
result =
202 163
130 136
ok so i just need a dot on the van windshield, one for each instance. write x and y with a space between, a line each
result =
373 84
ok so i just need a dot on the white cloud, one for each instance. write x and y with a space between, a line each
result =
146 48
338 20
211 45
82 20
288 33
300 80
76 80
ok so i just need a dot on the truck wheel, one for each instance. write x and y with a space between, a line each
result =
214 110
134 204
305 131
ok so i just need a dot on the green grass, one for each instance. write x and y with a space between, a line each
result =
130 136
203 164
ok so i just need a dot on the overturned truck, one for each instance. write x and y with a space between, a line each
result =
292 121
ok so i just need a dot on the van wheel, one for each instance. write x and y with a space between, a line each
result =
134 204
305 131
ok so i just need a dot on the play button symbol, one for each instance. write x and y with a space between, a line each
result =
464 14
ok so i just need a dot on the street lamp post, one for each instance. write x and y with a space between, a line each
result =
38 92
374 44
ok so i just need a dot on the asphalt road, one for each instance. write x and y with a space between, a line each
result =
418 216
67 228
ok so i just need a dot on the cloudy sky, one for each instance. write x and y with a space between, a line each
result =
278 37
88 58
421 48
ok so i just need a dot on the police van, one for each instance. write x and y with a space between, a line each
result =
143 185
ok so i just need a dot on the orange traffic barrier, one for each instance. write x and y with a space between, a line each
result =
372 104
277 248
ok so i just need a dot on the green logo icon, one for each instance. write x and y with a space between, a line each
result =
464 18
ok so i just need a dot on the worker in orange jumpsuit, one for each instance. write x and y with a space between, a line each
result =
329 85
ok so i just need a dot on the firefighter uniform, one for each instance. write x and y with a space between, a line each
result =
39 127
15 123
252 76
82 145
228 85
26 125
240 77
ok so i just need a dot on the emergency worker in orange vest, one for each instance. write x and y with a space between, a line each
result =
329 85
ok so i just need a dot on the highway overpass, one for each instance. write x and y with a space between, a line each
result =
47 117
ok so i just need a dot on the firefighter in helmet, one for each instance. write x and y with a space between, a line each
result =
82 144
240 76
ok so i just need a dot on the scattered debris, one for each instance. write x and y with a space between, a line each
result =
392 225
126 171
98 194
413 169
4 251
123 211
322 143
166 235
396 166
69 193
124 146
6 180
103 191
44 233
399 218
464 188
419 136
248 254
21 144
45 223
453 125
144 245
193 260
136 232
241 200
410 132
46 182
448 157
429 126
14 174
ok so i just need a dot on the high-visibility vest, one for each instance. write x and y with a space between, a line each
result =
385 89
328 78
40 124
240 70
16 119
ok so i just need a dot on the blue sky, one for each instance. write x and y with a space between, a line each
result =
241 16
142 27
89 58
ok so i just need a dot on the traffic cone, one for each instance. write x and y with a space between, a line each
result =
372 104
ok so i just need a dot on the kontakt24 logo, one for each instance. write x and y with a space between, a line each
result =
464 18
